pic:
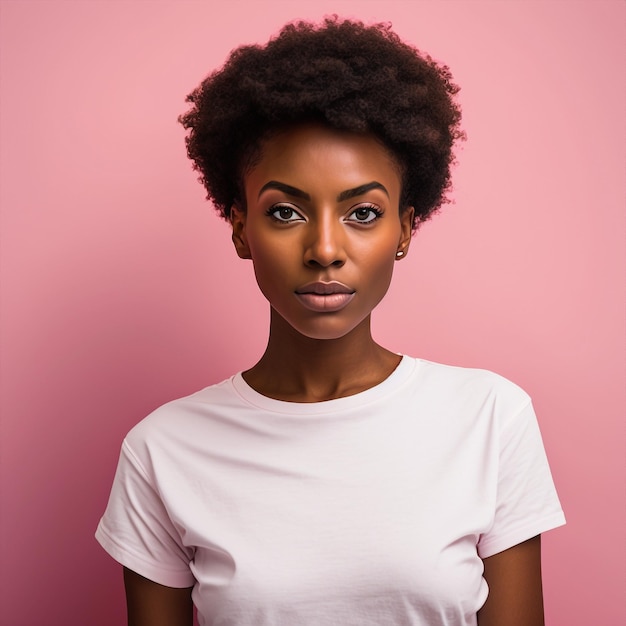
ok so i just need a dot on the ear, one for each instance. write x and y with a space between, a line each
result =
238 224
406 230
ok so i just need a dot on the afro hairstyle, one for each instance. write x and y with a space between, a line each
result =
342 73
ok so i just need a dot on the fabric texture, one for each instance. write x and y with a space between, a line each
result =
366 510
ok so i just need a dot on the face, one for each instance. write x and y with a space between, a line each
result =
322 227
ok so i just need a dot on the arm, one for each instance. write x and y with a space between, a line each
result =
151 604
515 594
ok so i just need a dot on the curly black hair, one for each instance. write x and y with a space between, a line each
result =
343 73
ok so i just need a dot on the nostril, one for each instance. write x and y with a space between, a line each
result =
317 264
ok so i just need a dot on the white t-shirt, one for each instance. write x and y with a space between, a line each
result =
366 510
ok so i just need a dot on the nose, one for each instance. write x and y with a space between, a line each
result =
325 245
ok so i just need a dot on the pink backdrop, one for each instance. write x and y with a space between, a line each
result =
120 289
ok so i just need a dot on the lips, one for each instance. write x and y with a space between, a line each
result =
325 297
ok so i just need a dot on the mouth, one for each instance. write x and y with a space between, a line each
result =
325 297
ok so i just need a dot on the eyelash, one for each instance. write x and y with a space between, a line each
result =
371 208
277 207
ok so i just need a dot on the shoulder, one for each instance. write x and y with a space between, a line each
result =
466 399
467 382
178 423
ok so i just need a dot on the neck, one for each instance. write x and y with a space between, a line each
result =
297 368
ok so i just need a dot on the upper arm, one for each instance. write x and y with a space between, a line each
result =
515 593
151 604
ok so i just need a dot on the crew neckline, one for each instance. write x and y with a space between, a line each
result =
399 375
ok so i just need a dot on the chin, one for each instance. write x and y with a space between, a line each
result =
326 329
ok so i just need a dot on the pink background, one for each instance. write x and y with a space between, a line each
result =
120 289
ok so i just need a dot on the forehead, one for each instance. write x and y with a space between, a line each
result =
315 155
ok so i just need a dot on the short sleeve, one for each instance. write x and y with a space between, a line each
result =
526 500
137 531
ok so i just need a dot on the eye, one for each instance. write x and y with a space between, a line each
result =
284 213
365 214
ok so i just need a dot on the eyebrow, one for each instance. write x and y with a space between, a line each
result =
360 190
344 195
288 189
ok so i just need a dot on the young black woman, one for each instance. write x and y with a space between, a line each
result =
334 482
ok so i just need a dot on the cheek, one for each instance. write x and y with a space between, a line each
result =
382 277
381 265
270 263
380 254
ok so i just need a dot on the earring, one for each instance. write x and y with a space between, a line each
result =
399 254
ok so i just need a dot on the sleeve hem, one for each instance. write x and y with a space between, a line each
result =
151 571
520 534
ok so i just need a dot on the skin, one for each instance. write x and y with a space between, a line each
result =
311 201
151 604
515 593
314 356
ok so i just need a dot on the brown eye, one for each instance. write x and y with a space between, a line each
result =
365 214
284 213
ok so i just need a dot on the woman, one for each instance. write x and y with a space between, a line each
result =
334 482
